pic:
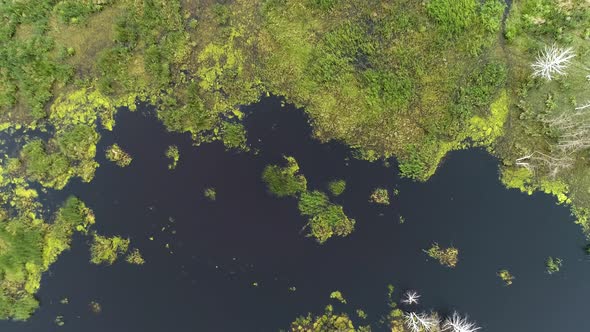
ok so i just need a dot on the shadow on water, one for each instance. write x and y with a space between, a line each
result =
217 250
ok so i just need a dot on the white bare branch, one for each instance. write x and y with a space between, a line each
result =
583 107
422 322
572 129
457 323
553 164
552 61
411 297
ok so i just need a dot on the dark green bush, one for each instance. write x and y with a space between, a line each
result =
284 181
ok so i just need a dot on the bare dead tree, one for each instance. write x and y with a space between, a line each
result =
552 61
457 323
422 322
572 130
583 107
552 164
411 297
572 135
411 321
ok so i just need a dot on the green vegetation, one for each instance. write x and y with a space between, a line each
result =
327 322
396 320
406 79
380 196
553 265
337 187
117 155
445 256
506 276
106 250
326 219
28 246
336 295
535 149
70 153
210 193
312 203
367 69
135 257
173 154
417 84
233 136
361 314
284 180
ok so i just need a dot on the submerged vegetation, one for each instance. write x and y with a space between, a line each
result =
59 321
445 256
95 307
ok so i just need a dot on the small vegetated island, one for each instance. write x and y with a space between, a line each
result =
446 256
417 79
380 196
325 219
117 155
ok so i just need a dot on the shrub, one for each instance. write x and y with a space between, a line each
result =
135 257
117 155
284 181
380 196
506 276
173 154
233 135
445 256
330 221
107 250
210 193
312 203
337 187
553 265
453 16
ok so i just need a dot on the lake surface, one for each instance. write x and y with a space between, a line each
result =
217 250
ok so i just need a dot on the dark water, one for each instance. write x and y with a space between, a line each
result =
221 248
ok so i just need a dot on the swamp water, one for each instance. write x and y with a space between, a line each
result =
207 256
